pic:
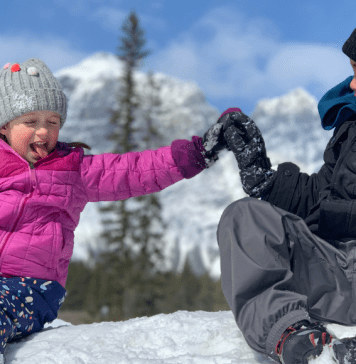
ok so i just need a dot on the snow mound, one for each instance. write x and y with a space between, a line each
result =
179 338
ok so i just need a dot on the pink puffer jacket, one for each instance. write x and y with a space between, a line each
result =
40 206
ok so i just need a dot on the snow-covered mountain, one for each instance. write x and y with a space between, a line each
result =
291 127
181 337
192 208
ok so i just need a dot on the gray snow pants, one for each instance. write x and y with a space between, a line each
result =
276 272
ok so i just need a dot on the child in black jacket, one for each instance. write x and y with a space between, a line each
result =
288 261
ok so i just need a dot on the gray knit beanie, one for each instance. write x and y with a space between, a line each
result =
29 86
349 47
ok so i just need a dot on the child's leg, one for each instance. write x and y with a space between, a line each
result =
268 269
26 304
7 331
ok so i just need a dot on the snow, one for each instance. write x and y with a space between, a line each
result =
179 338
97 66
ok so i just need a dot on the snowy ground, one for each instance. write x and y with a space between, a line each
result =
180 338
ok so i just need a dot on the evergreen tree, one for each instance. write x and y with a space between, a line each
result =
220 303
79 276
129 281
123 275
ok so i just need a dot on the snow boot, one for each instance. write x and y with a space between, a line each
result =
301 342
2 359
344 350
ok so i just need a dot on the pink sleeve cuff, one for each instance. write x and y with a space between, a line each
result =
188 156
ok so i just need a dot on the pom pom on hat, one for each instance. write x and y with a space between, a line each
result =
15 68
32 71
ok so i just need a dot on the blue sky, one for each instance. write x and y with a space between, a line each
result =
236 51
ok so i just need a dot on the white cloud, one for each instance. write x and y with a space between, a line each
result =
55 51
228 55
300 64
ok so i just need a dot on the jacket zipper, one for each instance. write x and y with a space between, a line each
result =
33 181
337 165
33 186
18 218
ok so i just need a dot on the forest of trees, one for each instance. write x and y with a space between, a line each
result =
126 278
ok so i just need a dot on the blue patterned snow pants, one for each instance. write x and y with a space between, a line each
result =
26 304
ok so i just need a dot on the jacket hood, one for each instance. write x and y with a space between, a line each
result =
337 105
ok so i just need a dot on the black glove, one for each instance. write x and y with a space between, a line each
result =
246 142
214 141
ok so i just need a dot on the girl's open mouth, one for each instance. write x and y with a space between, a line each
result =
39 150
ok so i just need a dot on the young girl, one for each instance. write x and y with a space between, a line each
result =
45 184
288 261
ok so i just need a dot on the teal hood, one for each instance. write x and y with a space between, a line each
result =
337 105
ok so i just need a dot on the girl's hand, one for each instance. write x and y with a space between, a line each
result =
214 141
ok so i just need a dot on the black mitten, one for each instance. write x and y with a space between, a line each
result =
246 142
